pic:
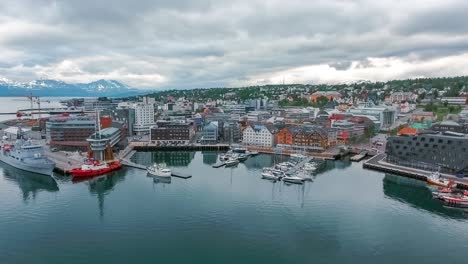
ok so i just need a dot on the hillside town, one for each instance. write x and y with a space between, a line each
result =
325 123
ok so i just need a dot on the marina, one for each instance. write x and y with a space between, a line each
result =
218 206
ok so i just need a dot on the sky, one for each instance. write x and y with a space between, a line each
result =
162 44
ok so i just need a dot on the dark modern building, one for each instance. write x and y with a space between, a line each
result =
69 133
172 133
431 151
451 126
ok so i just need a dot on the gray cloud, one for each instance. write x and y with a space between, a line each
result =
202 43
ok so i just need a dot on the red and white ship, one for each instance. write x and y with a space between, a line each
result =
95 167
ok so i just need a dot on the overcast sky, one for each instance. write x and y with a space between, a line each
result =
199 43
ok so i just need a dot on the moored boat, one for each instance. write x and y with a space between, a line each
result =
455 200
293 179
436 179
27 155
242 157
92 168
159 170
270 176
231 162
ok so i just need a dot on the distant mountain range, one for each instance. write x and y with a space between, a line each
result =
98 88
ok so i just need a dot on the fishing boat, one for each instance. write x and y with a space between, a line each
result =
231 162
436 179
253 153
159 170
293 179
93 167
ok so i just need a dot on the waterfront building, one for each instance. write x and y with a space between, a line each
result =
232 132
306 138
172 133
210 133
259 135
430 151
312 138
69 132
102 142
144 117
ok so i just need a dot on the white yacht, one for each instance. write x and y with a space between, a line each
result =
293 179
231 162
159 171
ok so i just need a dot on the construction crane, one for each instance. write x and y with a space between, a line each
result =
36 100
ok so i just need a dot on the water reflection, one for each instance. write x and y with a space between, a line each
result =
210 157
161 180
264 160
102 186
416 194
29 183
171 158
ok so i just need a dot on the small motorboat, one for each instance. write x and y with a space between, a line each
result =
436 179
293 179
159 170
231 162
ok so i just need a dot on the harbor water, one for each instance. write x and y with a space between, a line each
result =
226 215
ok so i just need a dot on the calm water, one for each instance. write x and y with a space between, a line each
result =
226 215
13 104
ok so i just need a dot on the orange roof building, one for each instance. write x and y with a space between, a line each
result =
408 131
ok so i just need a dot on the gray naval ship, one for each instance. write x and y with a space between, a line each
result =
26 155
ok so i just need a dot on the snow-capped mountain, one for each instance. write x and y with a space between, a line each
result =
60 88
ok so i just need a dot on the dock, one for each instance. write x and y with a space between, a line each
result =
130 164
181 175
378 163
218 165
359 156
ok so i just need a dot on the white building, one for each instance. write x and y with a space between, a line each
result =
258 135
144 118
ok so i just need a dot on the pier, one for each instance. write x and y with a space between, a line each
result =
359 156
378 163
148 146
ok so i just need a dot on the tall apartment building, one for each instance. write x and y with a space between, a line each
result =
144 117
